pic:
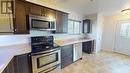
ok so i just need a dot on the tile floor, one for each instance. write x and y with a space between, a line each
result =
103 62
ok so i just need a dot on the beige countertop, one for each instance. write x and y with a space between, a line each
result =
72 41
8 52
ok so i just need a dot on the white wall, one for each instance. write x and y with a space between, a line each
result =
109 29
100 25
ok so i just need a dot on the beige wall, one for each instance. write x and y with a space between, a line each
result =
110 23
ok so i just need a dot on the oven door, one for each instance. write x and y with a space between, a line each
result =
44 60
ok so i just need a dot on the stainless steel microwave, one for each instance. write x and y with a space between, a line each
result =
41 23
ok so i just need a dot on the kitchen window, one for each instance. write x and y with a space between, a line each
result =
74 27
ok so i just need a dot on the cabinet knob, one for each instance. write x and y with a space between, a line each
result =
15 29
45 15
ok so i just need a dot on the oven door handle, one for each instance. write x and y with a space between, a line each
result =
53 68
34 54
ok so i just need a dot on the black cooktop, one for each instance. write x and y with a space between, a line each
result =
42 43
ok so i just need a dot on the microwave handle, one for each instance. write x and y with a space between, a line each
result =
50 24
53 68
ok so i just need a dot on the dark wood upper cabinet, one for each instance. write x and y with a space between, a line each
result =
42 11
35 9
86 26
61 22
21 11
49 13
20 21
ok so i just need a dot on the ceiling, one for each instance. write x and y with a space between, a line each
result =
87 6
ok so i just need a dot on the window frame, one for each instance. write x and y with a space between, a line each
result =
74 26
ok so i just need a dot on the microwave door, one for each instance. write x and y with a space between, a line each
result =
40 24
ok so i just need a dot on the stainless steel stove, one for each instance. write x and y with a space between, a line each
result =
46 57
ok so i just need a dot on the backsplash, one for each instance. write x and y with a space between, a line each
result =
6 40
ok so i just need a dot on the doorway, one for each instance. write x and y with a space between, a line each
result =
122 37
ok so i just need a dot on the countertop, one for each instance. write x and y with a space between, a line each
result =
72 41
8 52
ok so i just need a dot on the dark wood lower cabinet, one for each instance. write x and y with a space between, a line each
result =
66 55
19 64
88 47
10 68
23 63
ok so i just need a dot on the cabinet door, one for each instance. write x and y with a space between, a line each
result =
35 9
67 51
86 26
10 67
23 63
21 27
88 47
65 22
19 64
66 55
50 13
61 22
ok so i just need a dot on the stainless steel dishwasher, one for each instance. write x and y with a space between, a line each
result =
77 51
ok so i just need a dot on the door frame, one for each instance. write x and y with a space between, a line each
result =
115 34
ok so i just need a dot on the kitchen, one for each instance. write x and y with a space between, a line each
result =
38 38
42 27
